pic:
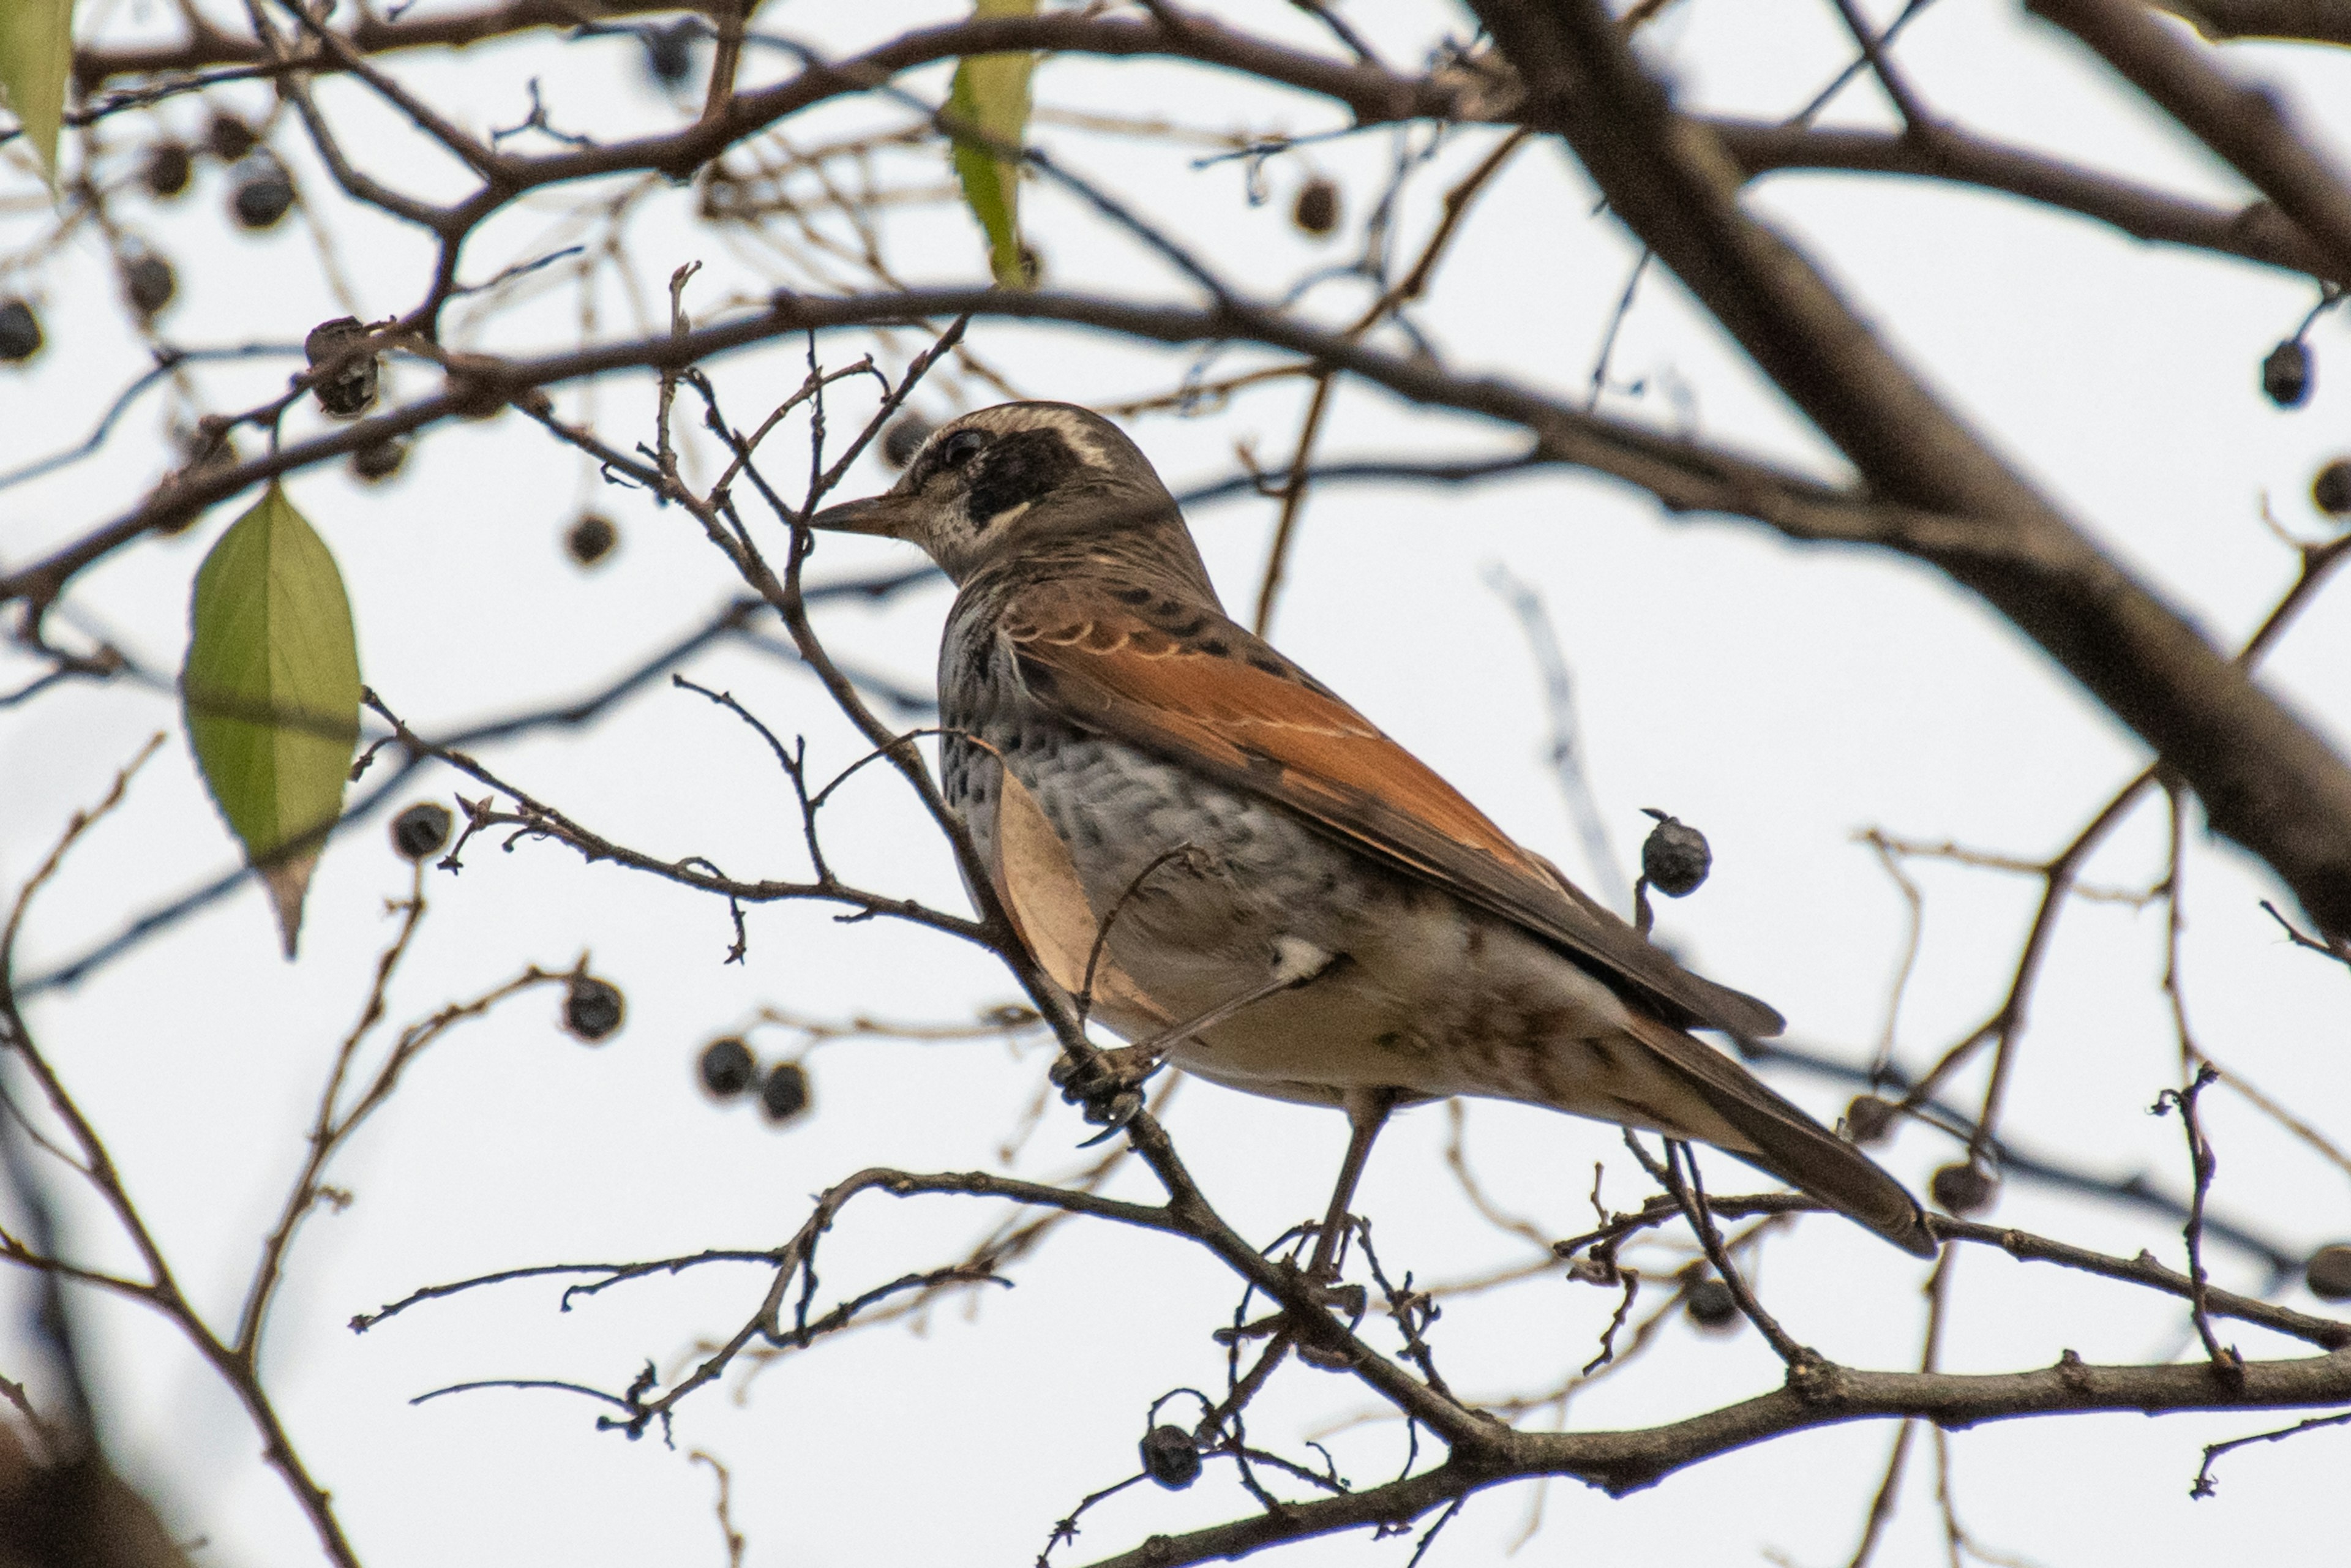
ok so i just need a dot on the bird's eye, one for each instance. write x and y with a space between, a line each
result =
960 447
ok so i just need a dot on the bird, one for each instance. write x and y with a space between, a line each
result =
1235 870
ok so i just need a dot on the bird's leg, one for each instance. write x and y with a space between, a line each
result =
1110 1095
1367 1112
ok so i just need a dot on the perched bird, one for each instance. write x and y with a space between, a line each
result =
1295 905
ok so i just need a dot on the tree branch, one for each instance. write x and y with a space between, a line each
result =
2266 778
2244 124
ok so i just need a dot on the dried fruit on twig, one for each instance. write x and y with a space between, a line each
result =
592 1008
420 830
727 1067
376 464
20 332
148 283
228 139
1170 1456
1962 1188
669 51
1675 856
264 193
2329 1273
347 390
785 1094
1869 1119
2331 491
1316 211
168 168
590 539
2286 374
1710 1305
904 438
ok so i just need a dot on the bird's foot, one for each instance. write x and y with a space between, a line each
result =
1349 1301
1108 1090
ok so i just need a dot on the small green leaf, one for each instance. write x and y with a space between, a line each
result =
990 95
272 692
36 58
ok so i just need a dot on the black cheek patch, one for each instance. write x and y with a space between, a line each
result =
1024 466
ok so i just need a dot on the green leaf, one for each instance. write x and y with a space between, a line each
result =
990 95
36 58
272 692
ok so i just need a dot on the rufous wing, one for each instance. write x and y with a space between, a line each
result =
1205 693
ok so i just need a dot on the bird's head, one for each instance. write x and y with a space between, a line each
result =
1020 480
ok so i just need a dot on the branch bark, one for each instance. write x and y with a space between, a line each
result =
2298 21
1622 1462
2257 231
2243 123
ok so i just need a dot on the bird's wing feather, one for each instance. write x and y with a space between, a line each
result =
1206 693
1781 1139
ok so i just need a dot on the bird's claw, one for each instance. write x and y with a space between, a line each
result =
1349 1301
1108 1090
1114 1114
1352 1301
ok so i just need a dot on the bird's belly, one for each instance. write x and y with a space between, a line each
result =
1424 993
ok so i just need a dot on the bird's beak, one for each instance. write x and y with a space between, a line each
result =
886 514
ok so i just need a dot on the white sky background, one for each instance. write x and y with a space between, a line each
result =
1780 698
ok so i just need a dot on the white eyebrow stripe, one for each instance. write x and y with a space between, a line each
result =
1075 429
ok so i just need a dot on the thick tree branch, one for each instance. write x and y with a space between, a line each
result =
2266 778
1622 1462
2303 21
2257 231
2243 123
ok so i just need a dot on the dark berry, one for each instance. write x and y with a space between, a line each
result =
1675 856
1170 1456
420 830
1868 1118
1710 1305
346 389
20 332
590 539
2286 373
169 164
380 461
592 1008
785 1094
669 51
1316 211
2329 1273
727 1067
2331 491
1961 1189
904 438
264 193
149 284
228 139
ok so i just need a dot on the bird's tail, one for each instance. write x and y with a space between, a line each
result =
1749 1122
